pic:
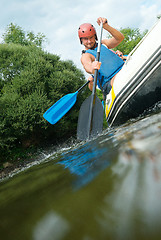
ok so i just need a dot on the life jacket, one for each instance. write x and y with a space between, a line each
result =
111 64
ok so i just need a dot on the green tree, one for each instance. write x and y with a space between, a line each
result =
15 34
31 81
132 38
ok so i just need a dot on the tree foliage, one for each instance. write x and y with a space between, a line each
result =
132 38
31 81
15 34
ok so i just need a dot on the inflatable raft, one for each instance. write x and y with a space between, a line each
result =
137 86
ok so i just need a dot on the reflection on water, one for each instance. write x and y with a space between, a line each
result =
133 207
87 161
134 203
107 188
52 226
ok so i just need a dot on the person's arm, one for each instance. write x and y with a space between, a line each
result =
117 36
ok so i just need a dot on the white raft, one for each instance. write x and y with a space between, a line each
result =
137 86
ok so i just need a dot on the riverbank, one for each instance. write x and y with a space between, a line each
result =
9 168
33 156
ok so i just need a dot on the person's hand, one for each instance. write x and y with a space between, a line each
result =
90 85
90 78
103 20
95 65
119 53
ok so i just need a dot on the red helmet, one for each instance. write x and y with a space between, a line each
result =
86 30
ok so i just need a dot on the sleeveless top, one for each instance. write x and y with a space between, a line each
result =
111 64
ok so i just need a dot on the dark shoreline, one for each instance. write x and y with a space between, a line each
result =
35 157
11 169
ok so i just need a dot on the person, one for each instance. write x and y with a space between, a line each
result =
110 63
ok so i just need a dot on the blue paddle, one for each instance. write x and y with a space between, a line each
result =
62 106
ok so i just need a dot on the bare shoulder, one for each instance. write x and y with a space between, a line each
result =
87 57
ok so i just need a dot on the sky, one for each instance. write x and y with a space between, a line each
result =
59 20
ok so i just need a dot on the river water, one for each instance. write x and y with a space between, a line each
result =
106 188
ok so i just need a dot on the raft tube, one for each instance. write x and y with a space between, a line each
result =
137 86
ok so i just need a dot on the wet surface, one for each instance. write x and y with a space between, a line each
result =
107 188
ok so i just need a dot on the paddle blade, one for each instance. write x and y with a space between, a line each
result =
60 108
83 119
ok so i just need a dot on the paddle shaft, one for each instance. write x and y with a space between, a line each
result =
93 96
83 86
